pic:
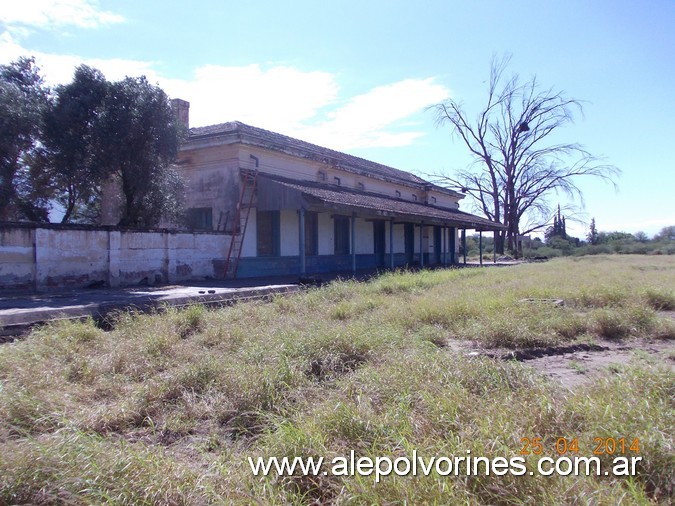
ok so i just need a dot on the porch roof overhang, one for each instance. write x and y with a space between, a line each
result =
276 193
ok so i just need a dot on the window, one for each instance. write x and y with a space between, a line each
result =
311 233
200 218
341 235
267 224
398 194
360 186
336 180
433 200
321 176
414 197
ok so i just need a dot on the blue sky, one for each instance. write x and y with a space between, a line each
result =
358 76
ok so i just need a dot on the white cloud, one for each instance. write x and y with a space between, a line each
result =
303 104
366 120
59 68
272 98
56 13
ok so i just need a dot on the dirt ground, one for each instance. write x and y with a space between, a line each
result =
582 366
581 363
577 364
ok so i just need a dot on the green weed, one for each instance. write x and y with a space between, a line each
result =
166 408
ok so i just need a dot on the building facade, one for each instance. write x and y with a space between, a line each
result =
291 207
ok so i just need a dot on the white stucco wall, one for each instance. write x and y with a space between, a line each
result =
290 240
17 262
212 173
70 257
289 232
443 199
364 237
399 238
249 246
54 257
281 164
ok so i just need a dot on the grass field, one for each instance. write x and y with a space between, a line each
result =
166 409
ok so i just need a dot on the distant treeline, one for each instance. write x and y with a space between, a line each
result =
595 243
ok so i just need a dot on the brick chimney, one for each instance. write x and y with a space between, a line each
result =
181 109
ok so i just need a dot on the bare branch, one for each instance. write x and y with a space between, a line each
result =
515 169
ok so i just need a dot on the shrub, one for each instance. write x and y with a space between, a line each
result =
660 300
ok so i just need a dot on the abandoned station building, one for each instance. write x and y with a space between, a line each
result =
259 204
292 207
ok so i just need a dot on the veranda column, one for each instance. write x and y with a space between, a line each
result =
354 243
464 244
494 248
301 230
480 246
421 252
391 242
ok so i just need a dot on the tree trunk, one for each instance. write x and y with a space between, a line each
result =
69 209
499 242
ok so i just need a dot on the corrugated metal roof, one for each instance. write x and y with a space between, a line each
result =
353 199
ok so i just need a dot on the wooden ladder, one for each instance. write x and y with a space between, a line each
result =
249 183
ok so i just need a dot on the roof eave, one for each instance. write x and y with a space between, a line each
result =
237 132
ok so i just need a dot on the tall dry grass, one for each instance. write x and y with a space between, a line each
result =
166 408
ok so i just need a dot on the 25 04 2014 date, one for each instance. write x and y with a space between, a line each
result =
600 446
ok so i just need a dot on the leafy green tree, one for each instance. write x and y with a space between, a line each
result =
640 236
92 131
607 237
138 136
559 228
593 237
563 244
72 145
666 234
24 190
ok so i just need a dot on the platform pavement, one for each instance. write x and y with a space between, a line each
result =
20 311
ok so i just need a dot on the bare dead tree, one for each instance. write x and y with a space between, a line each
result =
516 165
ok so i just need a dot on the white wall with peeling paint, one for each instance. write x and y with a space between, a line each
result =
36 257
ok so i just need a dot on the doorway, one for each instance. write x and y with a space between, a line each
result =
409 240
438 246
379 240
